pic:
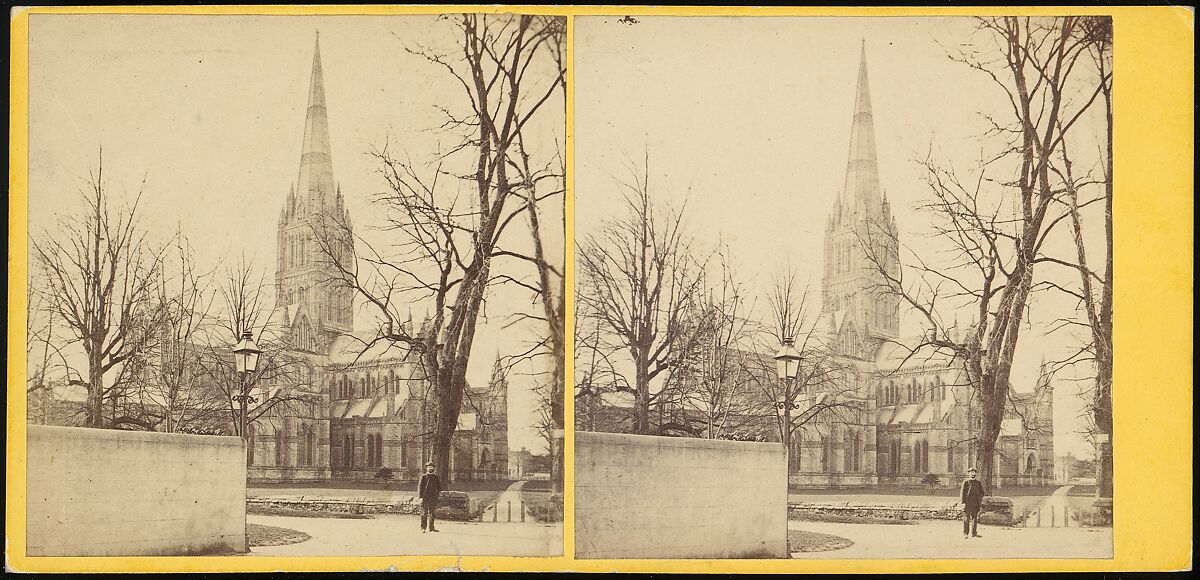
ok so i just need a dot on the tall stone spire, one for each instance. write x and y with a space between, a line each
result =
862 168
851 283
315 183
314 229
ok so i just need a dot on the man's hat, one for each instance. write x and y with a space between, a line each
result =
972 470
430 464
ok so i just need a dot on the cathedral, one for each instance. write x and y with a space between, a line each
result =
918 415
365 410
890 420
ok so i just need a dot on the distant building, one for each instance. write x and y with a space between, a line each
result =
521 464
372 408
45 407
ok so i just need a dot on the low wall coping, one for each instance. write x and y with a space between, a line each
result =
55 432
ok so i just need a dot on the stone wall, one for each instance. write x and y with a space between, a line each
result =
98 492
664 497
994 510
452 505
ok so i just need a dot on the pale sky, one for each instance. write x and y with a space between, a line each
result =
210 111
748 119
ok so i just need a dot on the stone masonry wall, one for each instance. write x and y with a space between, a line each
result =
638 496
99 492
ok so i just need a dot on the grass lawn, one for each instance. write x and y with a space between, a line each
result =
260 535
802 541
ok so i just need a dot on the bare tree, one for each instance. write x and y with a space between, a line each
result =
717 377
597 378
48 369
284 380
101 269
170 394
820 392
1095 293
448 251
638 277
993 252
538 186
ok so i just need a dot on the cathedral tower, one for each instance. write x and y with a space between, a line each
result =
315 234
861 232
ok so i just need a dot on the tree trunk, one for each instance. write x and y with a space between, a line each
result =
1104 425
641 423
449 400
95 395
985 443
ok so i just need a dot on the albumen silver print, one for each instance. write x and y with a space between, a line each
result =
296 285
884 242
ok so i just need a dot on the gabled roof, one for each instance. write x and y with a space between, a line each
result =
361 347
897 355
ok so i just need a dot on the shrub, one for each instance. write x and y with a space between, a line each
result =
384 475
931 479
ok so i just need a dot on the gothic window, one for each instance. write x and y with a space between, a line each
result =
403 452
853 447
302 446
895 457
950 457
483 458
378 450
280 446
370 451
310 445
348 451
826 453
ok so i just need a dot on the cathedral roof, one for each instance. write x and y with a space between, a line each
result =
898 355
914 413
361 347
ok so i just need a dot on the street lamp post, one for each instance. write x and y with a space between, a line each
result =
245 355
787 366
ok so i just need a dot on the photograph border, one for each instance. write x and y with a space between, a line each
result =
1153 145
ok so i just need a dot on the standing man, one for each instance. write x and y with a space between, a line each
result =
428 488
972 501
